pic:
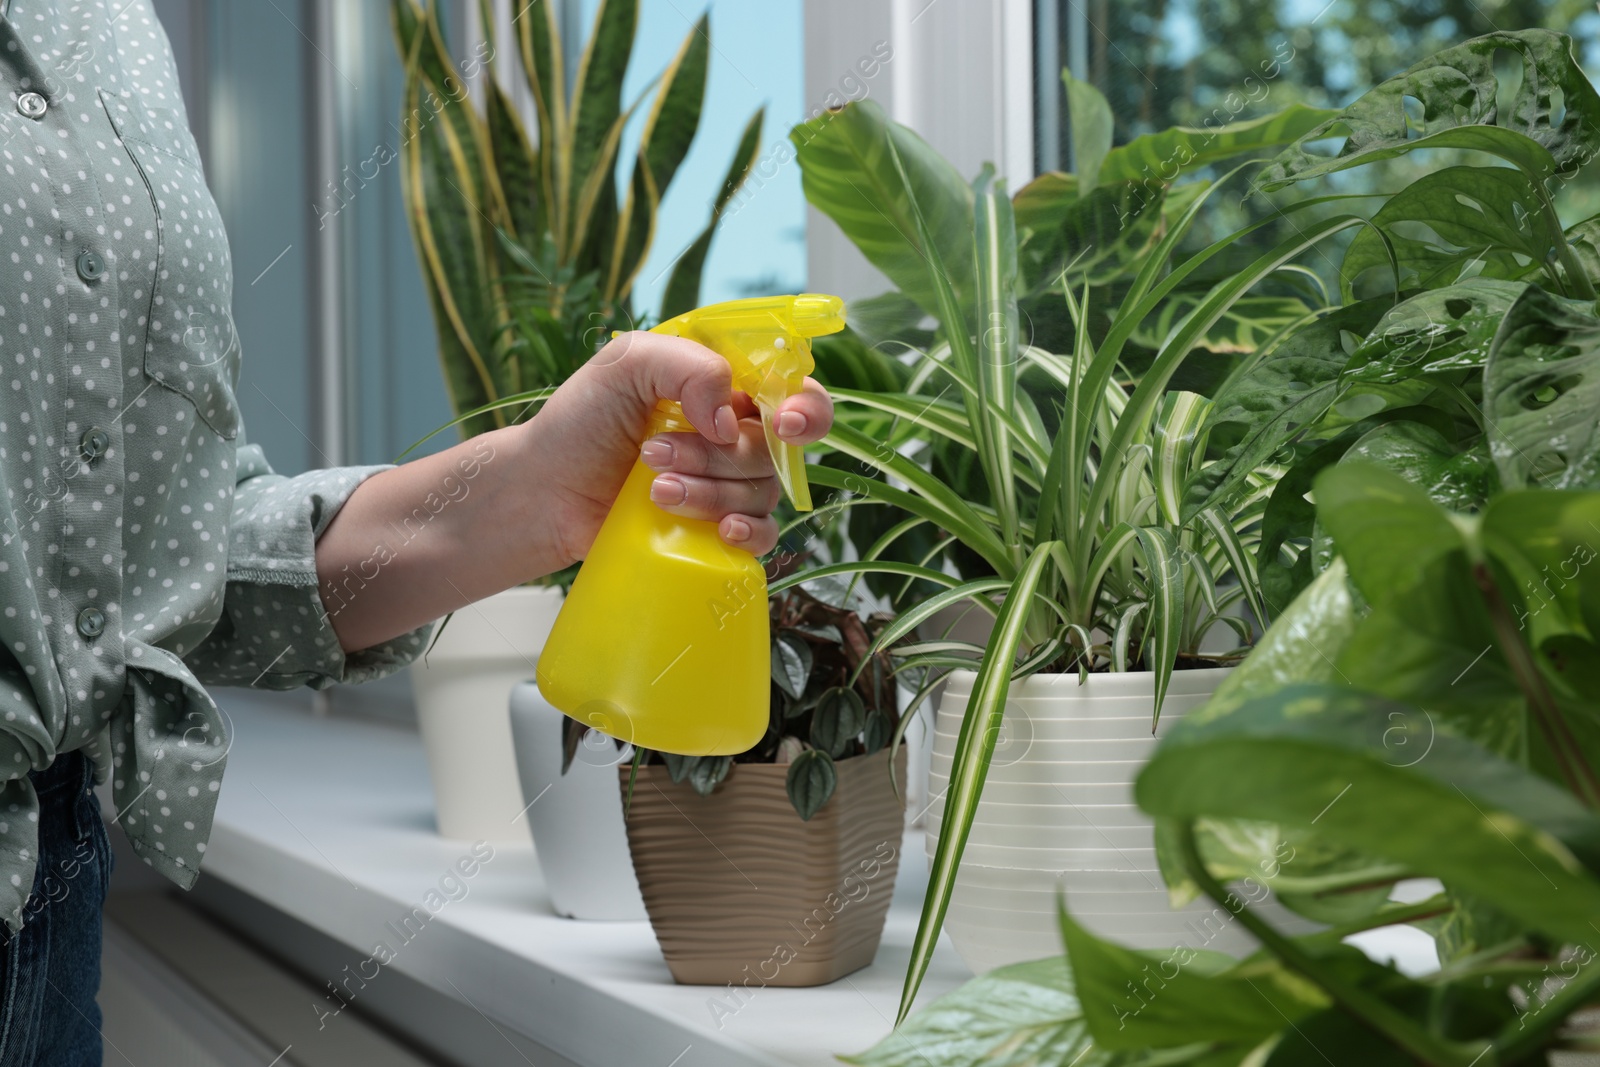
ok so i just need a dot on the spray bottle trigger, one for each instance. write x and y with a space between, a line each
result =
787 460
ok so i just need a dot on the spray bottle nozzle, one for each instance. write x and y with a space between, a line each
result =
767 342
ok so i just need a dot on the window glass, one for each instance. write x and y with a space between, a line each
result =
1175 62
756 61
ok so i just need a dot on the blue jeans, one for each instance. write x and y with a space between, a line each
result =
50 969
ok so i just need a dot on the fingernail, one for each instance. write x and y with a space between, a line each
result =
738 530
727 424
656 453
668 491
791 424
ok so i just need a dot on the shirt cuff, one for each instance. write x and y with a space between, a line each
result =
274 632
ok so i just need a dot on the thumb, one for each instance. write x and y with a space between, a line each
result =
675 368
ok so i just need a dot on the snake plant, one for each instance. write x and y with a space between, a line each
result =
529 250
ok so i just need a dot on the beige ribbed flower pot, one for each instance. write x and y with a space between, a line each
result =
740 890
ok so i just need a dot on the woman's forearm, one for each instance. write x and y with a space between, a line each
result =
417 542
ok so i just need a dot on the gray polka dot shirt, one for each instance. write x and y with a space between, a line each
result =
145 548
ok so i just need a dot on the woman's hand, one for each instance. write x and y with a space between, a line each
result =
585 442
516 504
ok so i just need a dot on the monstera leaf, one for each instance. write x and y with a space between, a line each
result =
1435 332
1541 391
1484 219
1449 101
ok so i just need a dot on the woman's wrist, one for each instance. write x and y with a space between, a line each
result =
439 533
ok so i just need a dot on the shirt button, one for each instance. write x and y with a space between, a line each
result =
90 266
93 444
32 105
91 622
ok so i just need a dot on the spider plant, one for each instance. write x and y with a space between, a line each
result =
1087 562
529 254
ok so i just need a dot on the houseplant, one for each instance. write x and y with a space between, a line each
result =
528 260
1407 393
775 867
1487 785
1438 659
1069 511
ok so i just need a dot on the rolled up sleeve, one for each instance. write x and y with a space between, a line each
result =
274 632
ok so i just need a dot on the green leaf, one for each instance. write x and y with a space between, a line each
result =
1487 219
539 44
1098 237
995 246
1091 129
1541 390
683 285
1177 432
1457 90
705 773
668 130
934 415
1024 1015
970 764
1218 300
909 570
878 732
1300 646
515 164
810 781
1436 332
1453 477
597 96
936 500
1158 158
844 361
1548 541
1042 205
1163 636
1250 324
677 766
1162 999
1341 1037
1386 528
838 720
906 622
1239 560
848 174
1584 240
442 180
1324 756
791 663
1274 399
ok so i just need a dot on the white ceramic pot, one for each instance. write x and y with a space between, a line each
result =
1056 816
576 817
462 688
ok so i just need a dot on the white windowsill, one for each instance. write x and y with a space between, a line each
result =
330 820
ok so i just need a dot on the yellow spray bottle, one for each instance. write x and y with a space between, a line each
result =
663 640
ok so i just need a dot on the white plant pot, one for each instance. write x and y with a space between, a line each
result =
1056 817
462 688
576 818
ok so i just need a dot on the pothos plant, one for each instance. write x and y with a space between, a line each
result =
1429 707
833 697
